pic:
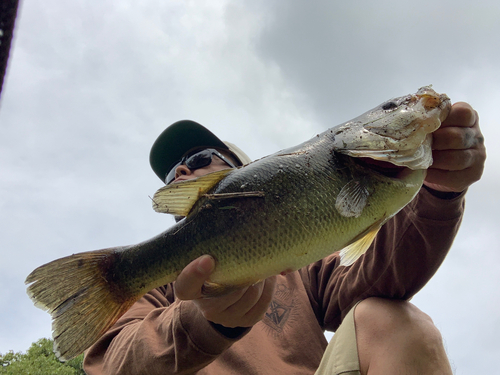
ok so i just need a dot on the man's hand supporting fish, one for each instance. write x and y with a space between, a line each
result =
458 151
267 308
241 308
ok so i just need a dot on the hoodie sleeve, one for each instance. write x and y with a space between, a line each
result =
406 253
158 335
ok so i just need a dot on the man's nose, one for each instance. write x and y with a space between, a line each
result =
182 170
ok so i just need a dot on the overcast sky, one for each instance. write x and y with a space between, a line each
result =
91 84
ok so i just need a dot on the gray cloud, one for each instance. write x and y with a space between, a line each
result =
341 53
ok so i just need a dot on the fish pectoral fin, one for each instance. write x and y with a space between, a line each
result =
352 252
352 199
178 198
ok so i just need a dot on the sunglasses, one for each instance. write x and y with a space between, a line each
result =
197 160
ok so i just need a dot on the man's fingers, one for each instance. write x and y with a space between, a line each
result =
458 151
453 160
242 308
251 296
461 115
456 138
217 305
445 181
452 181
259 309
234 315
188 284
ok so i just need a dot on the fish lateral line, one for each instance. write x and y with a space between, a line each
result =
243 194
302 152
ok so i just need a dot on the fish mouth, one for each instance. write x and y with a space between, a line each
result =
385 168
399 131
432 100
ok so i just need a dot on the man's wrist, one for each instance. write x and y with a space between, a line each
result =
443 194
230 333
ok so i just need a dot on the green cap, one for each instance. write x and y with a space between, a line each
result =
182 137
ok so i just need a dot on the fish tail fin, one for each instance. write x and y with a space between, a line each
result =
82 303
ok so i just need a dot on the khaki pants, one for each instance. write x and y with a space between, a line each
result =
341 355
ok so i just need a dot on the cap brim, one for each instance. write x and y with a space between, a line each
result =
176 140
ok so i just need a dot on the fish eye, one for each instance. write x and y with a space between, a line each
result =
389 105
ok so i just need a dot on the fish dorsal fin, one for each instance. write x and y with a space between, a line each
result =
352 252
352 199
178 198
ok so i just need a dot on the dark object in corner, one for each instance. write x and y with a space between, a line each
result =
8 12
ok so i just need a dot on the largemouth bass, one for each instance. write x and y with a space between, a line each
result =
274 215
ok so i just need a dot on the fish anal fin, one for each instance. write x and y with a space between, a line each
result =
352 252
352 199
178 198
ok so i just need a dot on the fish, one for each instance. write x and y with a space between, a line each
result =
271 216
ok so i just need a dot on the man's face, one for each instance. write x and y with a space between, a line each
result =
182 172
